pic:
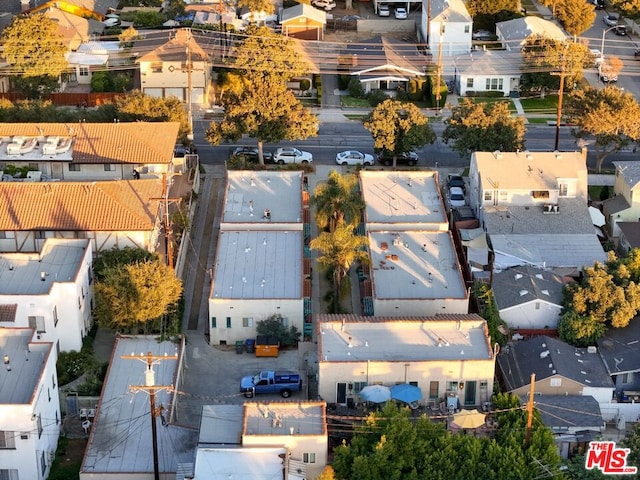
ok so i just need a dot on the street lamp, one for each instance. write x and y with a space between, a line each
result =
602 44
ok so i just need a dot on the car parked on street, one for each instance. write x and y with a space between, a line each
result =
482 35
620 30
326 5
383 10
284 155
456 197
407 158
250 154
353 157
598 4
606 74
401 13
610 20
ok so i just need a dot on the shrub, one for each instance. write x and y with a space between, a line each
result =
376 97
305 84
273 327
343 82
72 365
604 193
355 88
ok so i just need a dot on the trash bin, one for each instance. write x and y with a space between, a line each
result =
239 346
250 345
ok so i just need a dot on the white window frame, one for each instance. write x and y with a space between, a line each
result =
9 474
309 457
247 322
84 71
7 440
37 322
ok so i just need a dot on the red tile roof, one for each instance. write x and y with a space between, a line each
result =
127 205
134 142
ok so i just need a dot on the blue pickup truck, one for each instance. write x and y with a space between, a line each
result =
268 381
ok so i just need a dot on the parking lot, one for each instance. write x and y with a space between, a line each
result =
212 376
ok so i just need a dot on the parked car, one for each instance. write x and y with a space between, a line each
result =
326 5
482 35
456 181
401 13
620 30
597 56
407 158
351 18
353 157
463 213
598 4
610 20
250 154
291 155
456 197
383 10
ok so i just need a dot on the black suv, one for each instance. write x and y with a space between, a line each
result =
250 154
407 158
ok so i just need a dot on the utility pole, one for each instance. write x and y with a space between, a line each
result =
561 74
151 388
439 68
527 437
168 244
189 68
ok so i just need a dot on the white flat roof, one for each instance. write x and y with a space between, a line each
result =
278 191
26 359
277 418
258 264
402 197
120 440
443 337
221 424
255 463
415 265
60 260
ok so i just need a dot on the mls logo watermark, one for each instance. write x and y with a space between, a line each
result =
608 459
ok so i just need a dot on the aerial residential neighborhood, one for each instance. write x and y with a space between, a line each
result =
333 239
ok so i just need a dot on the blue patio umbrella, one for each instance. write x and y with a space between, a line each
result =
375 393
406 393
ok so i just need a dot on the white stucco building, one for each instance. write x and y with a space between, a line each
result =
444 356
50 292
29 406
445 25
260 267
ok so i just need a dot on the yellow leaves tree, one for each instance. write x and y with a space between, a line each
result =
130 296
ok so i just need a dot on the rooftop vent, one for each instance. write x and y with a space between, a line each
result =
544 354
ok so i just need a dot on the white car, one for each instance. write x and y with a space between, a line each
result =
353 157
291 155
383 10
326 5
401 13
456 197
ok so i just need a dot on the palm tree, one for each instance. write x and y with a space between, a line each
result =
339 249
338 200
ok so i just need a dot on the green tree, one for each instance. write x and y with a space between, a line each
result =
136 106
131 296
483 127
273 326
398 127
120 257
580 330
338 201
128 37
101 81
609 114
35 52
632 442
543 56
339 250
576 16
265 109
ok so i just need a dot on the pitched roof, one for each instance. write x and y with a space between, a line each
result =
569 411
519 29
520 285
631 231
489 62
382 55
127 205
174 47
619 348
547 357
304 10
630 172
123 142
449 11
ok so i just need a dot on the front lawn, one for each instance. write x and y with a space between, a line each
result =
352 102
492 100
537 105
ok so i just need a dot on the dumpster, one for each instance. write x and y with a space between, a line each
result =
267 346
239 346
250 345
